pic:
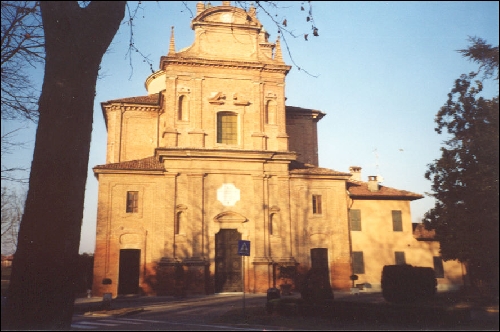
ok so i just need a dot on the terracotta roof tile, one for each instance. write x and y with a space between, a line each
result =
295 110
297 167
153 99
360 189
146 164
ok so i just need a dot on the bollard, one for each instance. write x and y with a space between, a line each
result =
106 300
273 293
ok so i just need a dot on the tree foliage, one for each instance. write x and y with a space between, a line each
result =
465 177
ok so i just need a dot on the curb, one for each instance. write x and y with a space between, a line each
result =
115 313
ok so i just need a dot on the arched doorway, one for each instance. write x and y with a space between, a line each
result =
228 266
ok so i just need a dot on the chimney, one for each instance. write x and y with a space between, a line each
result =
356 173
372 183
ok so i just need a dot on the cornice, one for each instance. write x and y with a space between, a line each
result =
201 62
311 176
126 171
117 106
223 154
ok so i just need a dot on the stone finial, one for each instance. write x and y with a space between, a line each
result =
199 7
251 11
226 3
277 55
171 49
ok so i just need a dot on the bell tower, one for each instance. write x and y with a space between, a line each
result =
226 90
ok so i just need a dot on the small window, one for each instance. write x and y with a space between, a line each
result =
397 221
227 128
355 218
316 200
438 266
182 111
358 265
399 257
132 201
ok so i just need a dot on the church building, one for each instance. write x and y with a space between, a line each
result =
212 184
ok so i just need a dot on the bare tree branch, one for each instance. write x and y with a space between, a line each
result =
132 14
12 210
9 145
22 43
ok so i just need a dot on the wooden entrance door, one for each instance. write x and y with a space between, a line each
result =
128 277
319 258
228 267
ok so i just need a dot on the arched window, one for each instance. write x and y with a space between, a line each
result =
227 128
182 108
271 112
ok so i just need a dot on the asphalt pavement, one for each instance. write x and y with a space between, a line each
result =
126 305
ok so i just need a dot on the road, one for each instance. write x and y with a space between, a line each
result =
191 314
209 313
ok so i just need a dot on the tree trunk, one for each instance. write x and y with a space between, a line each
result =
41 292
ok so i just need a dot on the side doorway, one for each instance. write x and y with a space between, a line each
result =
128 275
319 259
318 283
228 264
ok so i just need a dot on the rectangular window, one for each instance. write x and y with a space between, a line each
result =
355 218
397 221
132 201
227 128
316 204
358 265
400 257
438 266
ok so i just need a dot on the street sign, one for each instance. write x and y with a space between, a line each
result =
243 248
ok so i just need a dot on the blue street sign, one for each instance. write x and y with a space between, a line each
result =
243 248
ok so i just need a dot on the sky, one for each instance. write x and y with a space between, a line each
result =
379 70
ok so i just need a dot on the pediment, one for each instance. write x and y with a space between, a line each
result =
230 217
228 15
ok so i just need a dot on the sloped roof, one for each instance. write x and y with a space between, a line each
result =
295 110
359 189
296 167
146 164
422 234
153 99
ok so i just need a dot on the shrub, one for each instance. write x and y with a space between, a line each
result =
316 287
285 307
406 283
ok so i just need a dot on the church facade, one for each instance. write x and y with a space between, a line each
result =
212 156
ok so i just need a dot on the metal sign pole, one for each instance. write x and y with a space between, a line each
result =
243 259
243 250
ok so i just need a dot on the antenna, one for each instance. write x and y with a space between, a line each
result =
376 159
379 177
